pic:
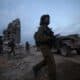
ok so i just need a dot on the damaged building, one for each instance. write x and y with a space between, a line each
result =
13 31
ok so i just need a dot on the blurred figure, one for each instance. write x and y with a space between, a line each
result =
44 39
11 44
1 45
37 45
27 46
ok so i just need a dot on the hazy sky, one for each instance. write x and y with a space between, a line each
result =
65 15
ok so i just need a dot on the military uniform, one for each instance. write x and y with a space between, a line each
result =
45 38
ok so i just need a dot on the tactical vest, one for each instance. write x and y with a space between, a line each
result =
44 36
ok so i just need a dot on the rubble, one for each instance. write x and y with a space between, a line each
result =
20 68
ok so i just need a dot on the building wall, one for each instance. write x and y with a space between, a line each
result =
13 31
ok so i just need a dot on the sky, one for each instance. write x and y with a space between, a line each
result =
65 16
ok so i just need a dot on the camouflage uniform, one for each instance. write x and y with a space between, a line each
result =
44 40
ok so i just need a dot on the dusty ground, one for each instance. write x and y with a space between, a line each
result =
19 67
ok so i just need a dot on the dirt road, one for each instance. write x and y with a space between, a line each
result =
20 67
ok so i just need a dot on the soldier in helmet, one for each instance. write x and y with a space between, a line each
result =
44 39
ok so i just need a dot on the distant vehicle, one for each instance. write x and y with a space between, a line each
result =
65 45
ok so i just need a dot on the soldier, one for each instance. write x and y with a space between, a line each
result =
1 45
44 38
27 46
11 44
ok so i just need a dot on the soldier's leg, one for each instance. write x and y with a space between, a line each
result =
50 63
51 68
38 66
